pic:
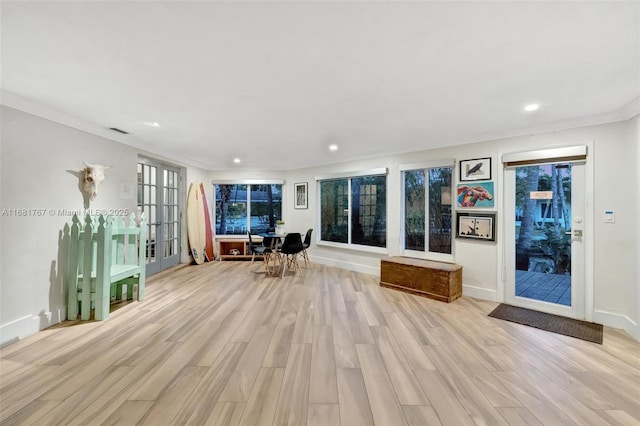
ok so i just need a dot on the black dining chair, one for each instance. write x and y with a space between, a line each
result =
291 248
305 244
257 250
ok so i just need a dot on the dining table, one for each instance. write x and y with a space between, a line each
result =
273 256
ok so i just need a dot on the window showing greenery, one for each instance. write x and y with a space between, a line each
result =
354 210
369 211
241 208
414 210
543 226
427 209
334 210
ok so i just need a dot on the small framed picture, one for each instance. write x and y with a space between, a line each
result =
479 195
300 195
476 169
479 226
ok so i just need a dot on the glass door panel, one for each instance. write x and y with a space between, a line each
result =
158 186
544 209
543 233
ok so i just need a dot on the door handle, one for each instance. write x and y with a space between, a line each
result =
575 233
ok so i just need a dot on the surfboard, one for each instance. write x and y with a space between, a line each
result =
195 223
209 252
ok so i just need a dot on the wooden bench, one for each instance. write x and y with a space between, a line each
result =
104 255
435 280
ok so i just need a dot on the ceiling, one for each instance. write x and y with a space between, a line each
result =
275 83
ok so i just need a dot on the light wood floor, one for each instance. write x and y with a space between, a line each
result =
217 344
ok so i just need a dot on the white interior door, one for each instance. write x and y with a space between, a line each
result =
544 236
158 198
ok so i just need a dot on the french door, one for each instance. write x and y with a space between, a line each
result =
158 199
544 234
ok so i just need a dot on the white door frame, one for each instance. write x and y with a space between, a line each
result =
586 310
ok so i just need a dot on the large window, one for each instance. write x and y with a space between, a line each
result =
354 210
427 209
247 207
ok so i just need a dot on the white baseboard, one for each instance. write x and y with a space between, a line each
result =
480 293
477 292
356 267
30 324
614 320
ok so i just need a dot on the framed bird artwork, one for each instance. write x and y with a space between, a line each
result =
476 169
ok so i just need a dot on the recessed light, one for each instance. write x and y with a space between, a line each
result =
532 107
236 160
152 123
333 147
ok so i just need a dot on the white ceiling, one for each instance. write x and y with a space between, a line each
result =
274 83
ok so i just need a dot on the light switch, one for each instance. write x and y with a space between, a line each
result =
609 216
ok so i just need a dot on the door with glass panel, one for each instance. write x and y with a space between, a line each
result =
158 199
544 234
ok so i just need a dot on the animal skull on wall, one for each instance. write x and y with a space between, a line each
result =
93 177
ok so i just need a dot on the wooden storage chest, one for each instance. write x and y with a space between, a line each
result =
435 280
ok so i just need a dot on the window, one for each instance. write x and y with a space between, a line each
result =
427 209
247 207
334 210
354 210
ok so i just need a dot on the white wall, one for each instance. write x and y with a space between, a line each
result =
36 153
612 164
615 250
36 157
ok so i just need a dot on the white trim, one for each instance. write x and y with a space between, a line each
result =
636 330
480 292
30 324
589 235
30 107
614 320
371 172
544 154
354 247
631 109
446 162
16 329
349 266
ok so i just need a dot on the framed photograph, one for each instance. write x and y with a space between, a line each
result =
476 195
476 169
300 195
479 226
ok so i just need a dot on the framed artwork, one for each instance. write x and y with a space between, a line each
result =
477 195
476 169
479 226
300 195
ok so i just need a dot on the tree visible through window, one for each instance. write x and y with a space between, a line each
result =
241 208
354 210
334 210
427 210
